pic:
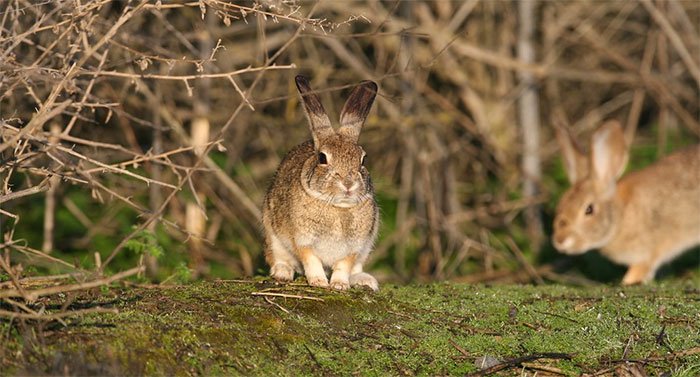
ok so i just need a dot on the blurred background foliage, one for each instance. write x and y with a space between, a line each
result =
146 132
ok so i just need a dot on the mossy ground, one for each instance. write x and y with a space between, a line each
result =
221 328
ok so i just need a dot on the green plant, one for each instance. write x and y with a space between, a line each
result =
183 274
687 371
145 242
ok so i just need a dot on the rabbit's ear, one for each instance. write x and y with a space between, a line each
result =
356 109
608 155
575 161
319 123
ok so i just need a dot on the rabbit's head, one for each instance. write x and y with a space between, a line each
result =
336 173
587 214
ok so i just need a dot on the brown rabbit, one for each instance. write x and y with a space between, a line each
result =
320 210
644 220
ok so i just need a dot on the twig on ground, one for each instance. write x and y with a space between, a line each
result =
286 295
280 307
31 295
518 362
55 316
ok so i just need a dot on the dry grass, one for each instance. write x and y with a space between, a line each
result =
108 97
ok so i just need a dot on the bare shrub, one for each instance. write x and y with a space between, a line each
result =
99 102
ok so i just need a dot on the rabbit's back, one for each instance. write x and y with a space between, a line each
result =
661 208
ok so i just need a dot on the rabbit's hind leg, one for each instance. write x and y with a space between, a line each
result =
362 279
638 273
282 262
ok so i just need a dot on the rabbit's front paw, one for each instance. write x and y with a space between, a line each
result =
317 281
282 272
638 274
364 279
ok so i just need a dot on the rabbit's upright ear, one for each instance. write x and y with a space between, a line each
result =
608 155
319 123
575 161
356 109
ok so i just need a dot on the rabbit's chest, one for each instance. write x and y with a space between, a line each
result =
330 251
336 234
336 223
334 245
343 222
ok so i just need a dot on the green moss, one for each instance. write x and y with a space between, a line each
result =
219 328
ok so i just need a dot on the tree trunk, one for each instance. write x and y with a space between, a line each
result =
528 112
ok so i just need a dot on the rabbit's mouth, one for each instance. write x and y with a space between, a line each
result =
567 245
343 200
347 199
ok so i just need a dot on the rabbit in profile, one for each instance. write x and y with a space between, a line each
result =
319 212
643 220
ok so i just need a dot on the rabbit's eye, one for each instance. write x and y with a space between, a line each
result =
589 209
322 159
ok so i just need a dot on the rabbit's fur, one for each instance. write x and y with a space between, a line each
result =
644 220
319 212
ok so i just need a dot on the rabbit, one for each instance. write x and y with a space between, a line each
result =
643 220
320 211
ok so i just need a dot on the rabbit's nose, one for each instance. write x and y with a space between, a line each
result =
561 223
345 186
563 242
349 184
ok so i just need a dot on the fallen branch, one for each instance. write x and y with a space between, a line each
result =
518 362
33 295
71 313
272 294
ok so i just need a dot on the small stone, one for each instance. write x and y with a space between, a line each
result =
485 362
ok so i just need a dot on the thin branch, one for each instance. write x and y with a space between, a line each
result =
41 187
676 40
56 316
32 295
156 76
273 294
518 361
